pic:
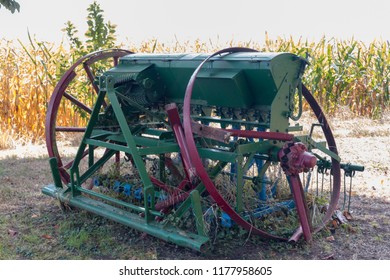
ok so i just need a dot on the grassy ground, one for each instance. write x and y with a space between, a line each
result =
33 226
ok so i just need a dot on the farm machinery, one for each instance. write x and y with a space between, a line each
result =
183 146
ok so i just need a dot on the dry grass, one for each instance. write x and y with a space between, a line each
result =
6 139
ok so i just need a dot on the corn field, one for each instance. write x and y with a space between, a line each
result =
342 74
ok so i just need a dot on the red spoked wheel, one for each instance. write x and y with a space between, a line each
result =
294 180
72 101
335 169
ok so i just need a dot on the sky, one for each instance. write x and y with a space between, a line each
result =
222 20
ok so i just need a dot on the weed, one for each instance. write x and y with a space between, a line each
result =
378 238
76 239
32 239
374 224
3 253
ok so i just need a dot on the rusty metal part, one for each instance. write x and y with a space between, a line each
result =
211 132
277 136
295 159
223 135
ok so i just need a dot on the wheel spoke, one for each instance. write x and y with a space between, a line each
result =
70 129
91 77
77 103
69 164
116 59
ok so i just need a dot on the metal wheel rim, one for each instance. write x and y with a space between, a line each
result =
58 94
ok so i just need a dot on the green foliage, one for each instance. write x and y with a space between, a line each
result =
77 239
11 5
99 35
71 32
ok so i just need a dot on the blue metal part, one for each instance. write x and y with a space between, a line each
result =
138 194
117 186
162 197
267 209
127 189
96 181
262 195
288 205
226 221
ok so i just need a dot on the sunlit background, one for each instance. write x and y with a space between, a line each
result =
171 20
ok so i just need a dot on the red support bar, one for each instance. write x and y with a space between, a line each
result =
172 200
261 134
223 135
160 184
300 204
174 119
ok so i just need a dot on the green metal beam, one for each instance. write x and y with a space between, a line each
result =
55 172
131 144
183 208
95 167
197 210
219 155
121 203
164 232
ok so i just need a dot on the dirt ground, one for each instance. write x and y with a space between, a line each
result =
24 210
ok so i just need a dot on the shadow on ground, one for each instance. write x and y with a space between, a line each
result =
32 226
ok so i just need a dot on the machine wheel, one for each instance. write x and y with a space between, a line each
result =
69 107
304 221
